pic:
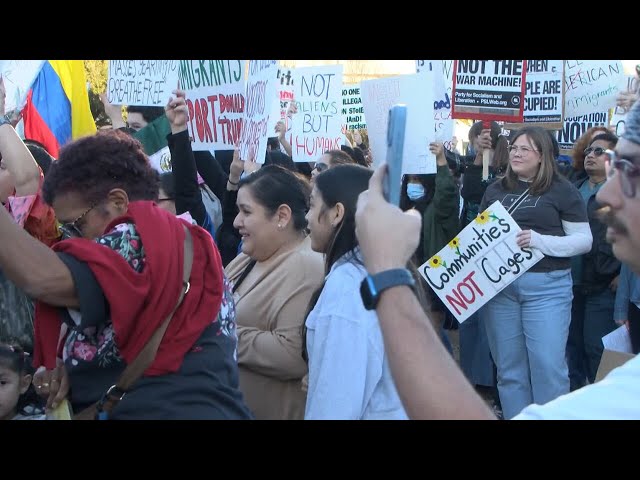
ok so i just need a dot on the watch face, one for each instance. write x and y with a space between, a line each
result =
366 295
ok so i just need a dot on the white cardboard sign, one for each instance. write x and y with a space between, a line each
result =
478 263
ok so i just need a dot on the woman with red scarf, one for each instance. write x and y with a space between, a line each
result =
105 291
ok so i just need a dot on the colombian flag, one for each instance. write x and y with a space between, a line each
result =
57 108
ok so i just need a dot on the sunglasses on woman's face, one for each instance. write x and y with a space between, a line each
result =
597 151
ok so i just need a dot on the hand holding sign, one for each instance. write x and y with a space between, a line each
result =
437 148
523 238
177 112
114 112
280 129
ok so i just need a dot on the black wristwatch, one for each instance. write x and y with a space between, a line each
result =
373 285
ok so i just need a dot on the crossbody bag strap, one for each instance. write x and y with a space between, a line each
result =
514 206
144 359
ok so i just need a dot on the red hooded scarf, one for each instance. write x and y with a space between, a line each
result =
140 302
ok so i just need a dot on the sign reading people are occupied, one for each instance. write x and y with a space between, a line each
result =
477 264
215 98
489 89
146 83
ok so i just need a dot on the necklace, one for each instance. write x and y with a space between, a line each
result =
595 184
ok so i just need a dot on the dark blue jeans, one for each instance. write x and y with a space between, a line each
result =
591 319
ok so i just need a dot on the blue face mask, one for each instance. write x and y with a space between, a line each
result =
415 191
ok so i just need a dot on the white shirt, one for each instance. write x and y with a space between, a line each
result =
349 375
616 397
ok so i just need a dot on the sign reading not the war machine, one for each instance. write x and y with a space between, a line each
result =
147 83
489 89
215 99
478 263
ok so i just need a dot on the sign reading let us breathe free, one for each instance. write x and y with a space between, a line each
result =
477 264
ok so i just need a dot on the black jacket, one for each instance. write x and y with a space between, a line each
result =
599 266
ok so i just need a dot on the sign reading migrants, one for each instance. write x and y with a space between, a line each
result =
574 128
489 89
591 85
478 263
352 109
379 95
317 127
284 95
260 94
215 99
146 83
631 83
543 99
442 91
18 76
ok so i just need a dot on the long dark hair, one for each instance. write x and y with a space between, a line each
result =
340 184
273 186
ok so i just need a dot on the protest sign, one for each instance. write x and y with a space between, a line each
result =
141 82
629 84
352 109
18 76
317 127
260 95
479 262
543 99
591 86
489 89
215 100
442 91
379 95
284 95
574 128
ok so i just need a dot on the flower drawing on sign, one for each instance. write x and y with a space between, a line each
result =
485 217
455 245
436 261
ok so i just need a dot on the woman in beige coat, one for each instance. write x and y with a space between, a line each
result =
274 278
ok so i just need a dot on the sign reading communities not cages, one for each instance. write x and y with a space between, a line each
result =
479 262
147 83
489 89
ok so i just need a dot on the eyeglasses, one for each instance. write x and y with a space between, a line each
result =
321 167
629 173
72 229
523 150
597 151
168 199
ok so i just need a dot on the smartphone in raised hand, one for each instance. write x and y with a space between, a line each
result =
395 142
